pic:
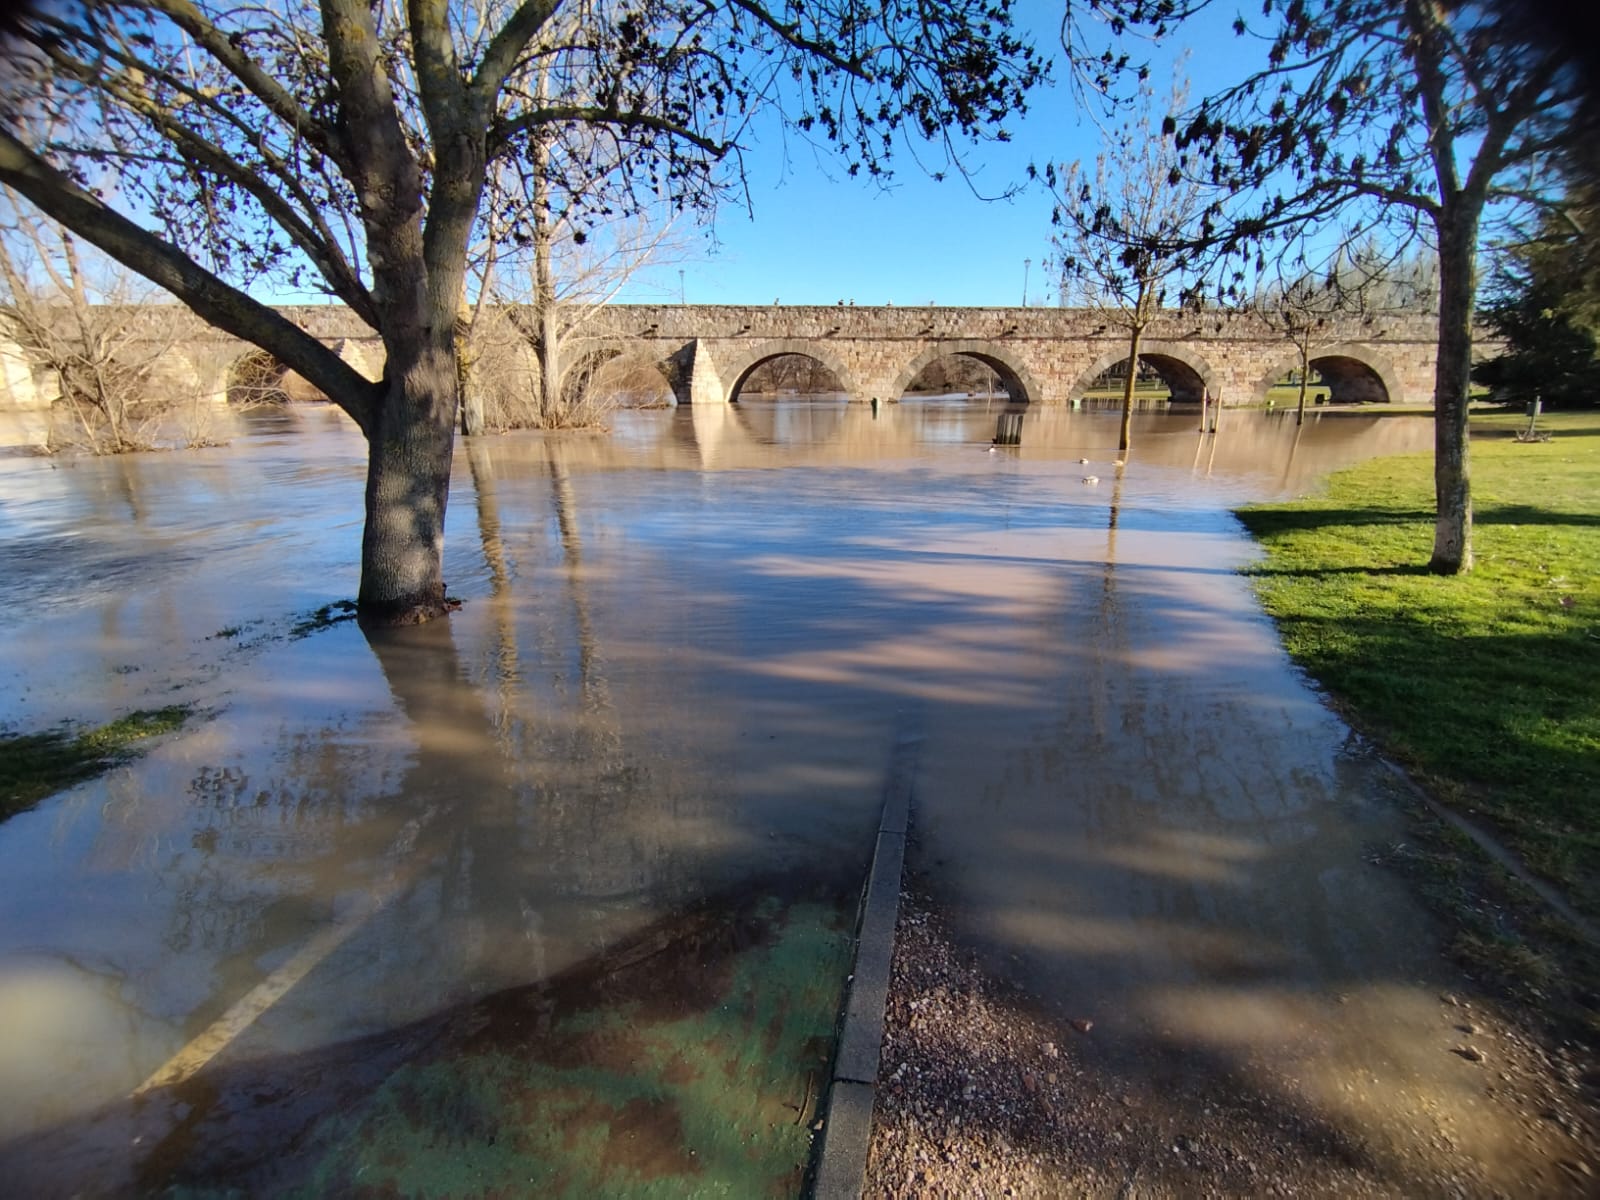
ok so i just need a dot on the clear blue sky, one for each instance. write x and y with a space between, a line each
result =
817 236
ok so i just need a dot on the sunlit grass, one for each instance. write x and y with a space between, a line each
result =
1489 683
36 765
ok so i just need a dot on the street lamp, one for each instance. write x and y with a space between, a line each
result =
1026 263
681 300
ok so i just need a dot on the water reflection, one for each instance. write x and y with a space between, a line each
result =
684 655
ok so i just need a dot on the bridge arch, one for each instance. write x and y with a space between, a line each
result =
255 377
1351 373
1020 385
1188 375
741 368
615 363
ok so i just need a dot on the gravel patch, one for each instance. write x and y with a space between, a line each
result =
981 1093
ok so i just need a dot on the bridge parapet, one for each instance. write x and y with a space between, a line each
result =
937 323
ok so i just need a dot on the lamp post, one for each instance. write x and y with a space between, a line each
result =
1026 264
681 299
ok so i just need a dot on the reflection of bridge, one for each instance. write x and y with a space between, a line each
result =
787 434
1041 355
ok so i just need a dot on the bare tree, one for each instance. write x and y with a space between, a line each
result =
1125 244
101 345
1366 281
545 304
1302 308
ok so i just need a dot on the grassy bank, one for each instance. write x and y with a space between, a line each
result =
36 765
1487 685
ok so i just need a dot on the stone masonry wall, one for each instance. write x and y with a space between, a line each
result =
1043 355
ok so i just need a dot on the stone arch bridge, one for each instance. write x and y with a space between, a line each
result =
1041 355
705 353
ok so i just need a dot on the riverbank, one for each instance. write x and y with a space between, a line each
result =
1486 687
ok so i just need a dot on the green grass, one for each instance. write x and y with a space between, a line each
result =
1488 684
36 765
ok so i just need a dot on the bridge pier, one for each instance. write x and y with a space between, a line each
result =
694 378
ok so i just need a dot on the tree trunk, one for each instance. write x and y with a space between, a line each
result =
1125 437
408 482
467 382
547 346
549 355
1452 484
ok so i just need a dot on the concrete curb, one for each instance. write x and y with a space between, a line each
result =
847 1124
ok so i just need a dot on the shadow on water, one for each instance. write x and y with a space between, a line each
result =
580 845
687 1057
664 1055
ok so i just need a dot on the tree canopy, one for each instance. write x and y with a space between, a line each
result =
282 144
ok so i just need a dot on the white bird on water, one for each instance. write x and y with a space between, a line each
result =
1091 479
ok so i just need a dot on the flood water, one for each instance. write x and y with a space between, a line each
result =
662 717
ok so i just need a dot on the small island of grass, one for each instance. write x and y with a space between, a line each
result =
36 765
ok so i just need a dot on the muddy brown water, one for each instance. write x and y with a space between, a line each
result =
684 653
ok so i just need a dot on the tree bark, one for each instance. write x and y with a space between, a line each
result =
467 382
408 484
1125 437
418 271
547 348
1452 482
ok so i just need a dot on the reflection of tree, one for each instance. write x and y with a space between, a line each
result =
1107 641
1288 463
590 684
497 831
551 755
481 466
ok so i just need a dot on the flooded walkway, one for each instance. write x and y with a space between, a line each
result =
584 857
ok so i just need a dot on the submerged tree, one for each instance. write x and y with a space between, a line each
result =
1431 117
218 147
1125 242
